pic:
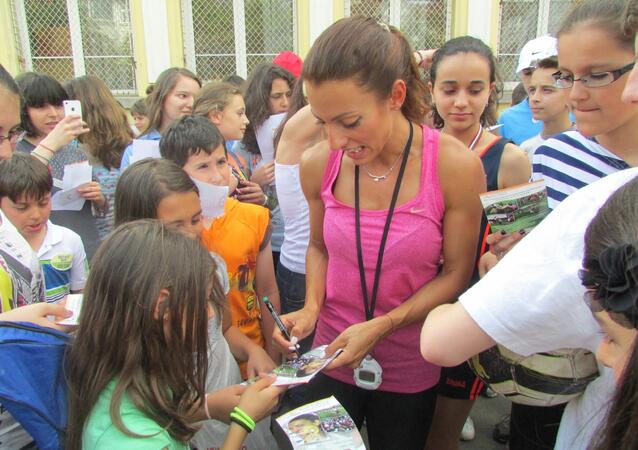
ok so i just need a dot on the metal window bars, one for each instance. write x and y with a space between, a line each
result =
521 21
70 38
426 23
228 37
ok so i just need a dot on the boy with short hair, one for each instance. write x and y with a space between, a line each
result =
548 104
25 199
139 112
517 123
241 236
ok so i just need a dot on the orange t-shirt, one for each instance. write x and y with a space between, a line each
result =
237 237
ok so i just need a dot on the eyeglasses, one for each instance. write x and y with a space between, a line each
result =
12 136
593 80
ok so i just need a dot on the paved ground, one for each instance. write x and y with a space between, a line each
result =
486 413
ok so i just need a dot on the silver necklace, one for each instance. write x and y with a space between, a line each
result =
385 176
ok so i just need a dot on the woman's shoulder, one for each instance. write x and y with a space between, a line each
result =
453 155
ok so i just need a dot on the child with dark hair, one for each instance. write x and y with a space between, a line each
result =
241 236
267 95
139 112
25 199
51 137
610 275
464 86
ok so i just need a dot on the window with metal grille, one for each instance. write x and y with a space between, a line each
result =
426 23
521 21
233 36
71 38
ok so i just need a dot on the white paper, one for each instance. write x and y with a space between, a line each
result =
265 135
143 149
76 175
73 304
213 199
69 199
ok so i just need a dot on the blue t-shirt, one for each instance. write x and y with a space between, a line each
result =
152 135
518 123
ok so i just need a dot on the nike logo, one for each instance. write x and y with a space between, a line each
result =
414 210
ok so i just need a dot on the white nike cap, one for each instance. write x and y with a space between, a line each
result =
536 50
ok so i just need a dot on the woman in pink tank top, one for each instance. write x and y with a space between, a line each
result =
388 203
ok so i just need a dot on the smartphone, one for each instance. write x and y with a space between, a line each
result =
72 107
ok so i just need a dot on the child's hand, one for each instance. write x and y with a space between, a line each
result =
486 263
265 175
37 314
92 192
250 192
259 362
222 401
67 129
501 243
260 398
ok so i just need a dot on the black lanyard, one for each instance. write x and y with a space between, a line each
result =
369 308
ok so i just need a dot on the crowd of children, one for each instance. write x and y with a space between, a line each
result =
346 193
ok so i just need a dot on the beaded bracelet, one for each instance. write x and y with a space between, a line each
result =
241 418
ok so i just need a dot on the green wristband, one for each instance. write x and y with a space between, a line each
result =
241 413
234 417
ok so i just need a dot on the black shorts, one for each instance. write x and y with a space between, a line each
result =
460 383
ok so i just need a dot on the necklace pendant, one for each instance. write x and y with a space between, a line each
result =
377 179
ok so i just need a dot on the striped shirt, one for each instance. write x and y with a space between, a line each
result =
569 161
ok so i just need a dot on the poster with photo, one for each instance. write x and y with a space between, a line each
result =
321 425
301 370
516 208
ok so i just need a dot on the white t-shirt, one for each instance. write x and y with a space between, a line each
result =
63 262
532 301
530 145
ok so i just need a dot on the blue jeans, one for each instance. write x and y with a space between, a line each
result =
292 295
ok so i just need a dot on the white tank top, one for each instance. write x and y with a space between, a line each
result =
294 208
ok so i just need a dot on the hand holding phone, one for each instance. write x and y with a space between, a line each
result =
72 107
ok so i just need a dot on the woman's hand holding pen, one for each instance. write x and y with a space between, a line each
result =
299 325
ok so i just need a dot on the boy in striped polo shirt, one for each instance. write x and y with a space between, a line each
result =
26 201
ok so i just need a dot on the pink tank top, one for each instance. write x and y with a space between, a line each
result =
411 259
